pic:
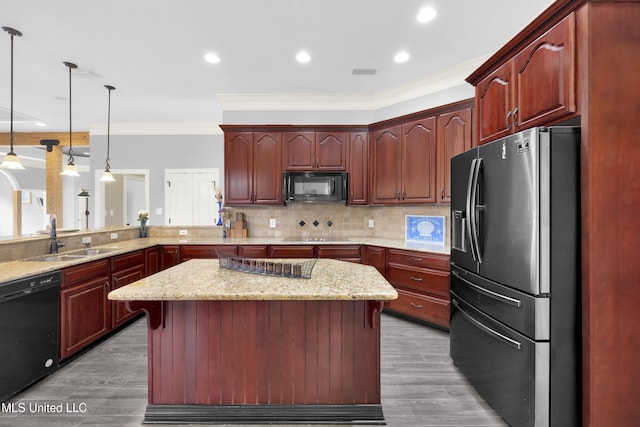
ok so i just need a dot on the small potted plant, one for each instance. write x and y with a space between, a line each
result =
143 217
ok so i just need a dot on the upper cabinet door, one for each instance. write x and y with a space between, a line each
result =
545 76
386 154
309 150
331 151
358 168
238 168
454 137
493 95
419 161
299 150
535 87
267 170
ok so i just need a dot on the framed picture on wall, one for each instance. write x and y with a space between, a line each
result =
425 230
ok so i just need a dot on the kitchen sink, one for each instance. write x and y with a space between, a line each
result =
57 258
93 251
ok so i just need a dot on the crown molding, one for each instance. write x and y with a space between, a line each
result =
427 85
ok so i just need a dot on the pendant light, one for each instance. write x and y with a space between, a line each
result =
11 160
70 168
106 175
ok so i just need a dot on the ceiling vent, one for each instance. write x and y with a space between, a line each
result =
364 71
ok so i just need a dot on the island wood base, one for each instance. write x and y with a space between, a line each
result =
264 361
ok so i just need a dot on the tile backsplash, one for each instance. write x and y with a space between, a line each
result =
333 220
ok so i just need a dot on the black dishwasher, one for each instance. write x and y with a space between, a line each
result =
29 330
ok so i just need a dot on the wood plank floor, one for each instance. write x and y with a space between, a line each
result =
420 385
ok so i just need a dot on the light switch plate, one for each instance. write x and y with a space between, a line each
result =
114 236
272 223
184 232
158 211
370 223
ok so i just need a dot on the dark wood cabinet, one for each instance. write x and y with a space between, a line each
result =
253 251
125 269
85 311
403 163
152 260
418 183
169 256
252 168
454 136
386 161
291 251
422 282
351 253
188 252
376 256
535 87
306 150
358 168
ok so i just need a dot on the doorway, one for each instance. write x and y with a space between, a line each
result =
117 203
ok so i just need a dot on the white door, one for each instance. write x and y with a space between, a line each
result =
189 197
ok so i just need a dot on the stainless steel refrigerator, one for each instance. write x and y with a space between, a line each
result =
515 274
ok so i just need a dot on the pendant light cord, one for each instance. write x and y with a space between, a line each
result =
107 167
12 32
11 127
71 66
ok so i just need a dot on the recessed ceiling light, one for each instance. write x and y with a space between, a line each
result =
212 58
401 57
303 57
426 14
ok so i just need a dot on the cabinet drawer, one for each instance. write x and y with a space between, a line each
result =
419 279
125 261
253 251
429 309
418 259
85 272
291 251
346 252
188 252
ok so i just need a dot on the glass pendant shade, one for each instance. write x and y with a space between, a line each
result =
70 170
107 177
11 161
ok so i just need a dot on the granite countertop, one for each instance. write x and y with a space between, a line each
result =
203 279
19 269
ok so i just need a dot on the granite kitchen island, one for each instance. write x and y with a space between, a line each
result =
233 347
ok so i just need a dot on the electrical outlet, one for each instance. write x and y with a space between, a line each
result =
272 223
114 236
370 223
183 232
86 239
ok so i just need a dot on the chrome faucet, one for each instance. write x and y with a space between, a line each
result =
55 243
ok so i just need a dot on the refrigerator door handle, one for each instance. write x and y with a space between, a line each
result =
473 205
497 335
469 209
496 296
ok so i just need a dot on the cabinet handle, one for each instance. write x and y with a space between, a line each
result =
509 119
442 193
515 117
417 279
107 285
416 305
404 195
416 259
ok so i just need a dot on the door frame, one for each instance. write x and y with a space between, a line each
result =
98 202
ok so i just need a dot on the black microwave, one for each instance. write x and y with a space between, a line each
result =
315 187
